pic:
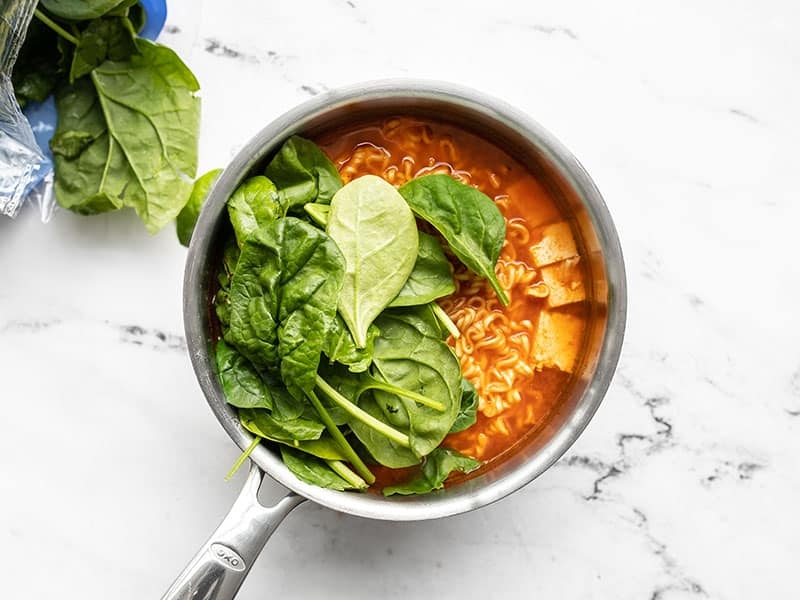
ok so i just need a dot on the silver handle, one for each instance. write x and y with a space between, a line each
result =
218 570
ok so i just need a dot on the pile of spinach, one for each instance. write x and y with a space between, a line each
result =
128 114
333 345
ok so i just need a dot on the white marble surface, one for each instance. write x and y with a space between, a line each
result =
686 483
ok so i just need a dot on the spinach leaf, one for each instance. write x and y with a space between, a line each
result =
263 424
187 218
80 10
439 464
222 301
241 383
108 38
468 410
139 128
247 387
431 277
155 132
254 203
39 63
283 299
341 347
303 174
91 172
317 472
410 354
318 212
467 218
377 234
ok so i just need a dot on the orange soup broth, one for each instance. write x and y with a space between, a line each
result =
401 148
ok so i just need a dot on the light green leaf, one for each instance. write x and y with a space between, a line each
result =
187 218
152 113
377 233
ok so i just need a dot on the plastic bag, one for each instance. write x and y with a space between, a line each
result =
25 171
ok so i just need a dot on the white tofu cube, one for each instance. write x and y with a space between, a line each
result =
565 281
558 340
556 244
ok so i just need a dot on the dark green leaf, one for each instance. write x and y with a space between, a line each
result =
187 218
107 38
283 299
94 180
341 347
439 464
313 471
467 218
468 411
241 383
263 424
37 70
431 277
377 234
254 203
303 174
222 302
410 354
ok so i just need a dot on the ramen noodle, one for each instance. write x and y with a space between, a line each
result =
520 357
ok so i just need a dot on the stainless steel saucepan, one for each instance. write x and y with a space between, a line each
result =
219 568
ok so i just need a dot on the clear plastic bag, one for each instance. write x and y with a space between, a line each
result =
25 171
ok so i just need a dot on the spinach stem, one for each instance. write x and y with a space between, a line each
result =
445 320
55 27
337 435
407 394
363 416
343 471
244 456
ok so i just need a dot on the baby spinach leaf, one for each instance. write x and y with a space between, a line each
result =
254 203
38 68
431 277
377 234
325 448
341 347
70 143
468 410
150 106
381 448
467 218
410 354
241 383
263 424
94 179
318 212
314 471
187 218
107 38
283 299
143 152
222 301
439 464
303 174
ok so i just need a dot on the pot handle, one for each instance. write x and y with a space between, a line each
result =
218 570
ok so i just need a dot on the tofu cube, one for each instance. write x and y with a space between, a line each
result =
558 340
556 244
565 281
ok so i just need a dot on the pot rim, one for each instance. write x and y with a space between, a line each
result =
469 495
